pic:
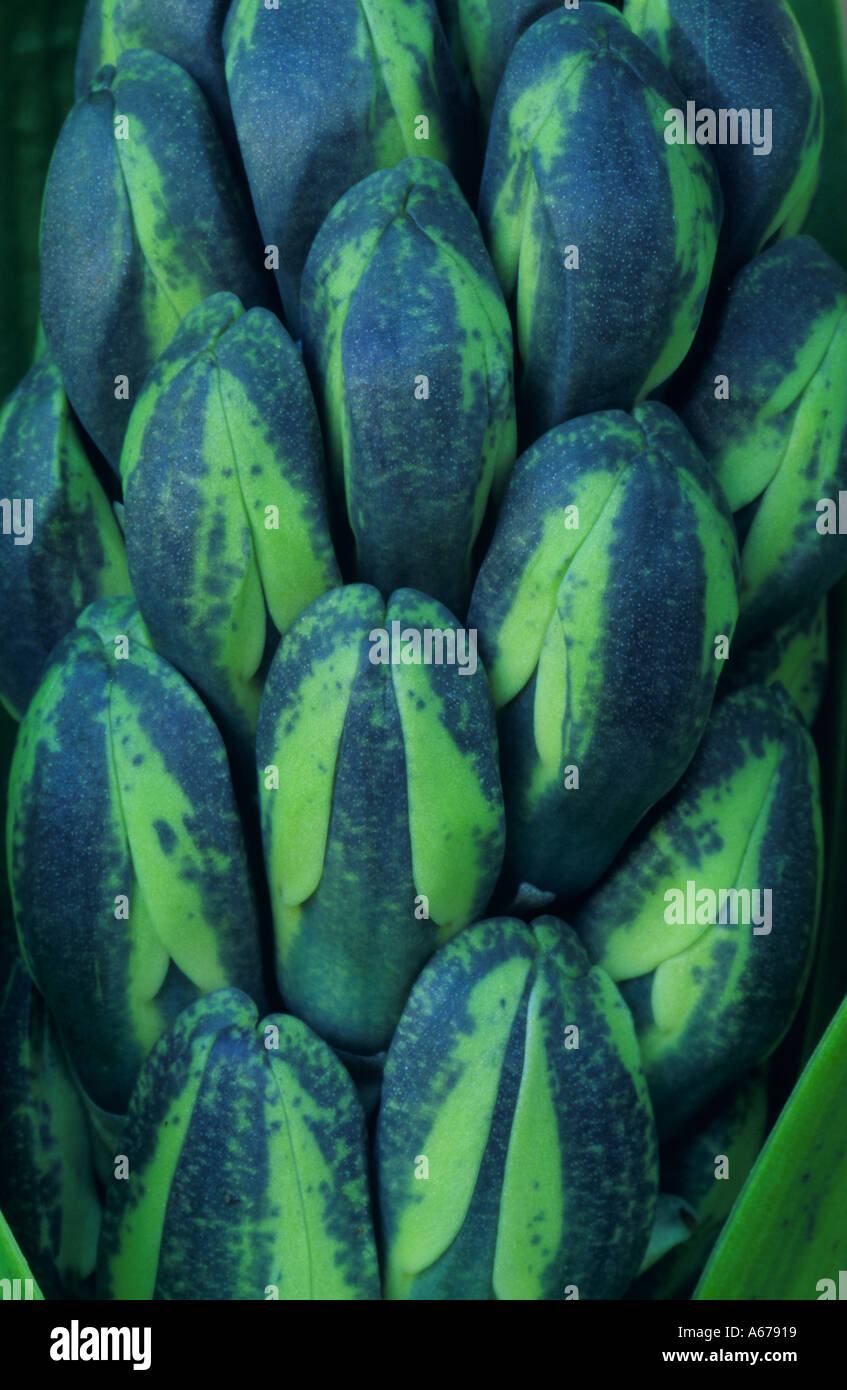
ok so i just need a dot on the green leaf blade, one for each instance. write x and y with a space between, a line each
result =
13 1266
788 1230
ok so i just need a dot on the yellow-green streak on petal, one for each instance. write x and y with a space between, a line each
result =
692 204
402 39
454 1141
531 108
520 638
454 810
305 736
647 939
293 566
533 1165
135 1259
170 880
574 654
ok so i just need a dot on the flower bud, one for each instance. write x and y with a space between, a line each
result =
708 920
746 72
127 864
768 409
603 235
142 219
246 1155
382 814
605 606
223 468
516 1150
409 344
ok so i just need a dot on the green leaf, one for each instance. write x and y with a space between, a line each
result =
828 983
12 1262
788 1229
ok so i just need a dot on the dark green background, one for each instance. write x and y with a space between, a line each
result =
37 46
